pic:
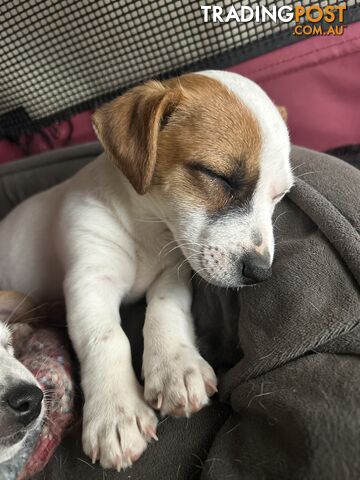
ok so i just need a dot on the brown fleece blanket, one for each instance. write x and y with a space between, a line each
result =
295 390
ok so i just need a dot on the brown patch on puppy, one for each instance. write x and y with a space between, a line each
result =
15 307
190 135
209 151
128 128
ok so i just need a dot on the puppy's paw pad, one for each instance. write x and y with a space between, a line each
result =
117 434
179 384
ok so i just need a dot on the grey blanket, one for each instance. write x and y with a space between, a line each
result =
296 390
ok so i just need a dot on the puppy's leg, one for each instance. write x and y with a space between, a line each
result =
117 422
178 380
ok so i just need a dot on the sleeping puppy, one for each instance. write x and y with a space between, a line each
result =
21 398
192 170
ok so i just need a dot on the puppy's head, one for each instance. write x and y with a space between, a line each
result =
211 152
21 399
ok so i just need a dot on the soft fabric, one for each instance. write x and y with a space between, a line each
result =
318 82
21 179
76 130
45 352
286 350
296 390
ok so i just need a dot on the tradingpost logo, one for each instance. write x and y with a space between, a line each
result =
306 19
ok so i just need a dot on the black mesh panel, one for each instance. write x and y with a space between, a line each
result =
59 57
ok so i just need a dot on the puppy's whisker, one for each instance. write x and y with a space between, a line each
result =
184 262
26 297
307 173
48 401
41 366
167 245
49 390
176 247
277 218
180 243
47 419
49 393
297 166
197 273
180 246
149 220
202 245
50 396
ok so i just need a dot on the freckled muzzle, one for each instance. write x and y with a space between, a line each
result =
226 269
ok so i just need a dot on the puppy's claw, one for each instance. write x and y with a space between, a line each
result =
94 455
182 402
130 457
211 388
135 457
159 401
151 432
195 403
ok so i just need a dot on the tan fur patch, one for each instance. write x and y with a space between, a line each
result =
15 306
184 133
211 129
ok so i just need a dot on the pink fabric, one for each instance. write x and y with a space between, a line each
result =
318 81
58 134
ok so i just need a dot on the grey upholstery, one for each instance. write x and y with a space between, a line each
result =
20 179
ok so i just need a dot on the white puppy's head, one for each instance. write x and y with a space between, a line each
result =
21 398
211 152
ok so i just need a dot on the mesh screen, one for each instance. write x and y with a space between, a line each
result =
62 57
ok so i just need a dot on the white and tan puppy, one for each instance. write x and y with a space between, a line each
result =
22 406
191 172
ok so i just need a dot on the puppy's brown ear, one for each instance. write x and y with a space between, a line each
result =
129 126
283 112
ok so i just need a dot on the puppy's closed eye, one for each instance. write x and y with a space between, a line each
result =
229 182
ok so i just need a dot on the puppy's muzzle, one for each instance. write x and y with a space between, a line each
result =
24 402
254 268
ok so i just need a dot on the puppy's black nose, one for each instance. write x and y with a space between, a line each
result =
255 268
24 401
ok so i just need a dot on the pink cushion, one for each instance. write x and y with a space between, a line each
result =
318 80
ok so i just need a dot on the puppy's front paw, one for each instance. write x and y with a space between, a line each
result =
115 431
179 383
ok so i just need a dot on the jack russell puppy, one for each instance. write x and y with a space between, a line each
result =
192 170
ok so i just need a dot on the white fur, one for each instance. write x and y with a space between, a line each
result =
98 242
